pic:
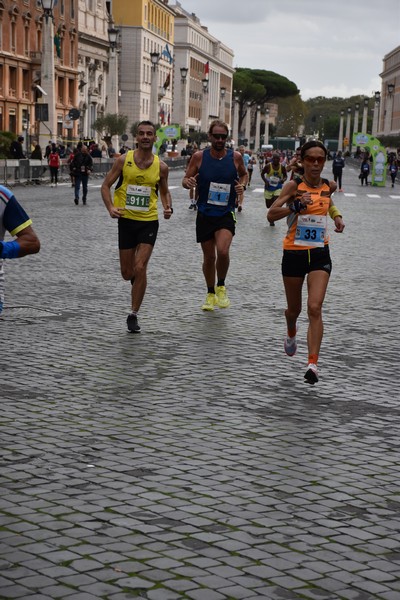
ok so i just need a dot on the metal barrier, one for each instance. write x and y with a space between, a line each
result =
33 171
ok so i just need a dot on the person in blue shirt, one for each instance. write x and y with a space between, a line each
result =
14 219
220 175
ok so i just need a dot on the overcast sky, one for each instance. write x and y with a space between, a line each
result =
326 47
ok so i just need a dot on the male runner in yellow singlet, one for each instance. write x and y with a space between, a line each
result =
141 175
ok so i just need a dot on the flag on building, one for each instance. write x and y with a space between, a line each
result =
206 69
167 81
57 43
166 52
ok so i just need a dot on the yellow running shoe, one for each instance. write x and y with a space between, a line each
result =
210 302
222 298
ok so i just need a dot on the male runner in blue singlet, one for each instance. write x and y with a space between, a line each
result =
220 175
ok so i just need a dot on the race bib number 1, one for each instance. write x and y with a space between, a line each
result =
137 197
219 194
310 231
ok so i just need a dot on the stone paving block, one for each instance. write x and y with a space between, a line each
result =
225 483
163 595
15 591
204 595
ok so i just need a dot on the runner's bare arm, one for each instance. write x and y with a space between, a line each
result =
109 180
165 194
189 182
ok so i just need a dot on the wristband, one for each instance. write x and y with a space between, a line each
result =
334 212
9 249
170 208
296 206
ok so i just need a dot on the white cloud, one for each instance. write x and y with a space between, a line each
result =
322 47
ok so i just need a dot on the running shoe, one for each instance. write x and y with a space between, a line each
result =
311 375
132 324
290 345
222 298
240 208
210 302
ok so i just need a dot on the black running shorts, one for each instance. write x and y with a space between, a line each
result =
297 263
131 233
207 226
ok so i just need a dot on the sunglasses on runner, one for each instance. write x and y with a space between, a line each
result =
220 136
311 160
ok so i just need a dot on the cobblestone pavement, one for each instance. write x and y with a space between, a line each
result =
191 461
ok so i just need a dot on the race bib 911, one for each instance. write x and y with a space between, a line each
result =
137 197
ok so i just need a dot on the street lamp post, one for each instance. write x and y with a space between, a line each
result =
222 104
258 123
235 132
348 123
266 134
389 109
184 73
365 116
248 123
340 140
48 127
204 107
155 58
112 79
375 120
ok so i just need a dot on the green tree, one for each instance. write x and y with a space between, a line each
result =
6 137
258 87
323 114
109 125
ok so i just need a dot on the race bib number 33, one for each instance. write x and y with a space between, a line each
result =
310 231
137 197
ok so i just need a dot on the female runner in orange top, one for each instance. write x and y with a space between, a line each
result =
306 202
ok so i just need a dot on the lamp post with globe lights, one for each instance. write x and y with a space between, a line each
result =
184 74
375 120
389 109
204 107
155 59
222 104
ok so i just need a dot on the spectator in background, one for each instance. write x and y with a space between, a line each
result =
338 165
364 170
37 172
16 150
111 150
54 165
95 152
37 153
48 150
82 165
393 169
